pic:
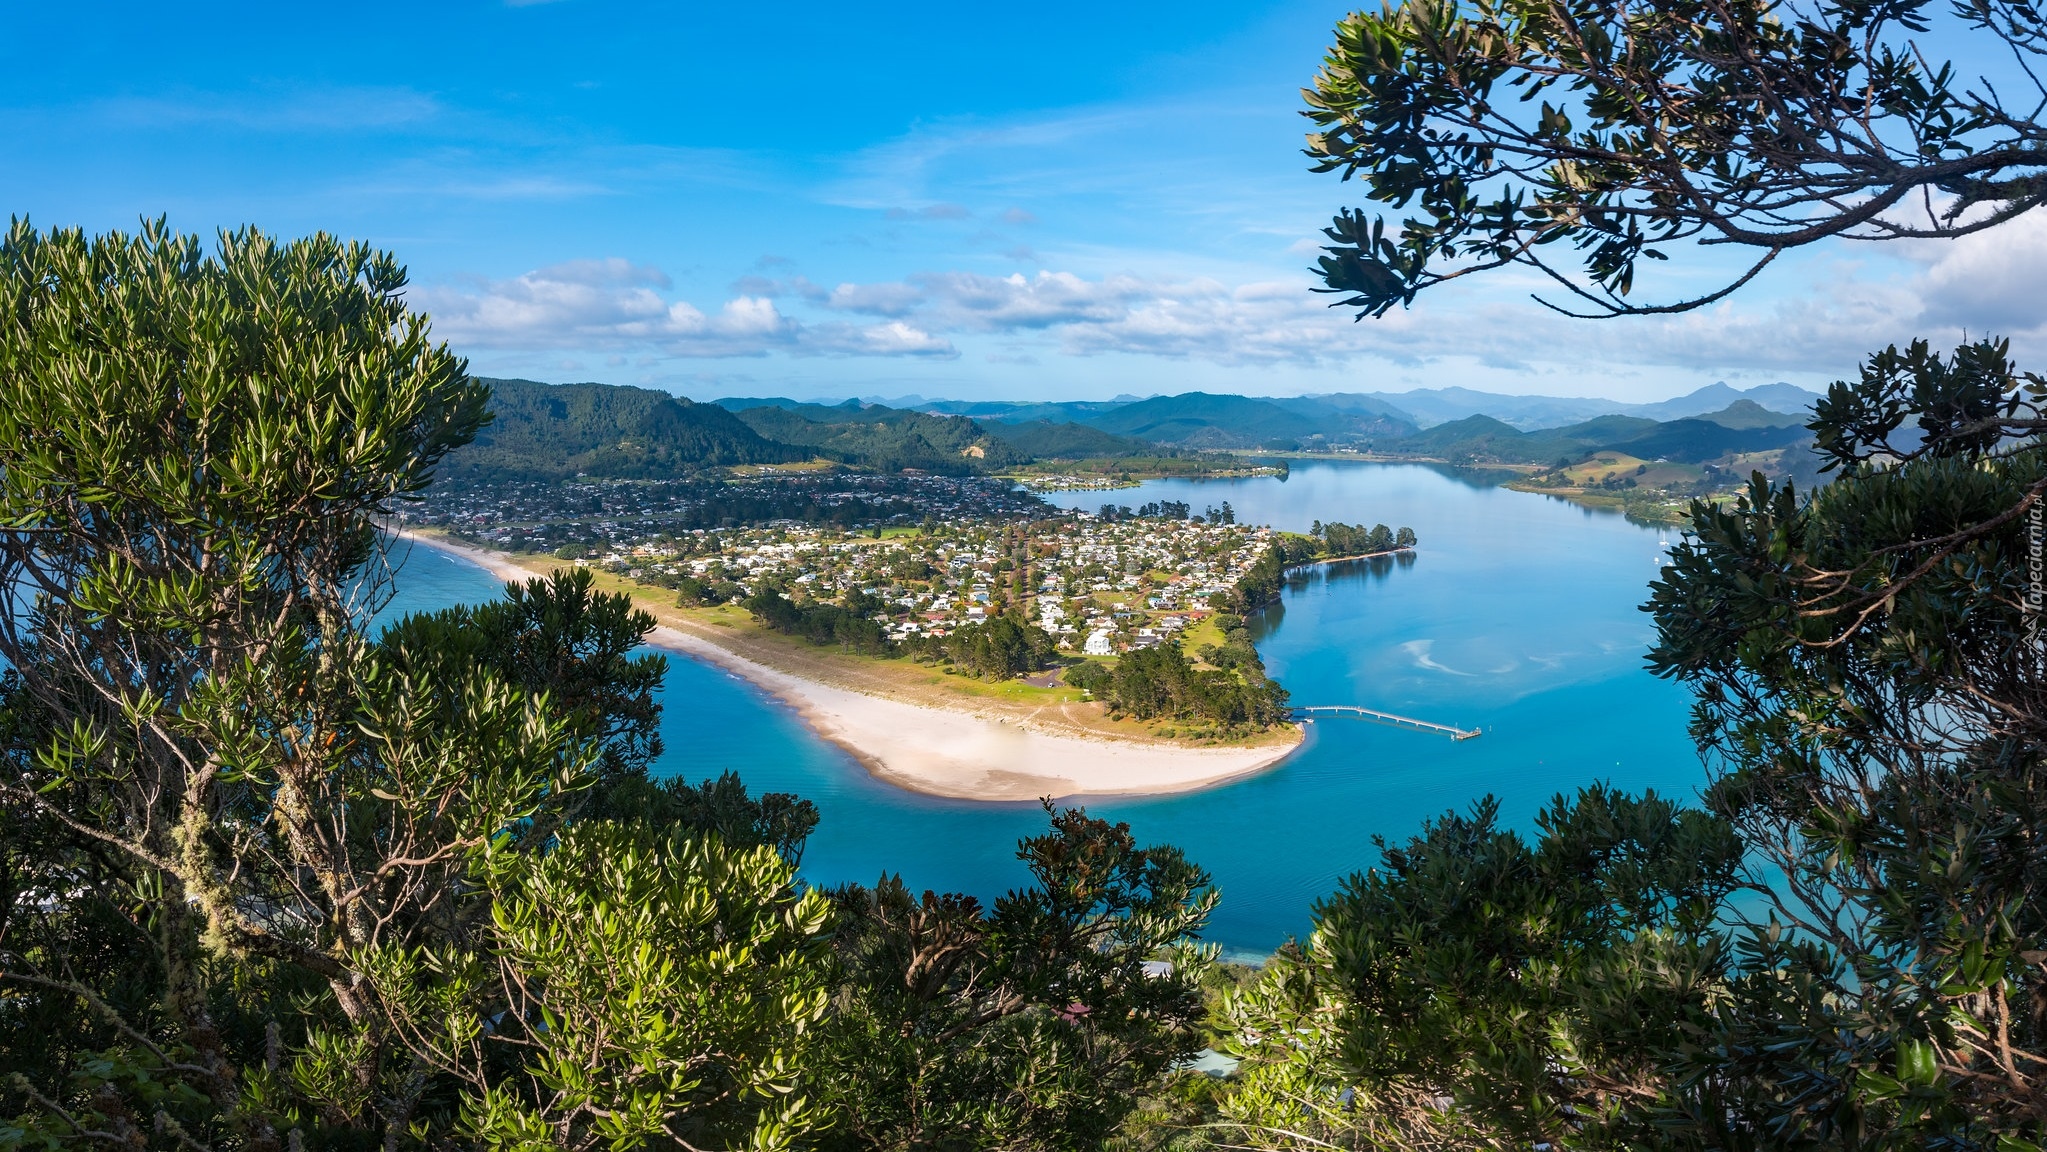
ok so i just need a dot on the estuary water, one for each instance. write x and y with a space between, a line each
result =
1518 614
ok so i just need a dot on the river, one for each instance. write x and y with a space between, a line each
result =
1518 614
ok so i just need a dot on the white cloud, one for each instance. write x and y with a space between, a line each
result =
1006 303
1992 282
1815 330
613 306
884 299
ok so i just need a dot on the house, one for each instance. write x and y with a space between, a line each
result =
1097 644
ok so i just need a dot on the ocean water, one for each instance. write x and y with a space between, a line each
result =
1518 614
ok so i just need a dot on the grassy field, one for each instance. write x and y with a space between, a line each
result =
1581 484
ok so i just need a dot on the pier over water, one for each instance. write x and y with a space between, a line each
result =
1310 712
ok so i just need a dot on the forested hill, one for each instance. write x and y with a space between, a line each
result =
548 431
1203 420
886 439
1484 440
552 431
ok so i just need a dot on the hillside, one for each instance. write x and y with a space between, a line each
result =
1047 440
1485 440
550 431
1432 406
886 439
1200 419
1606 429
1749 414
1353 404
1021 411
1203 420
1697 441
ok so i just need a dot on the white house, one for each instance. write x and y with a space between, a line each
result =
1097 644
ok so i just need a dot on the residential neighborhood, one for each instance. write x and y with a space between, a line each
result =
959 551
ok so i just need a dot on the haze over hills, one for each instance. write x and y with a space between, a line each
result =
556 431
1427 407
1204 420
1366 413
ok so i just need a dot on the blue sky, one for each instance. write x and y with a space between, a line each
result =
977 201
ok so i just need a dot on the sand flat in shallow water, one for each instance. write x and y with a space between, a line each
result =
971 749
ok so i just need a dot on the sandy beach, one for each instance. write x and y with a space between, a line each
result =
972 753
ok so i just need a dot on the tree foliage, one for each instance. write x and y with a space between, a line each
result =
820 621
1870 684
271 880
1336 539
1161 683
1033 1024
999 648
1479 991
1580 138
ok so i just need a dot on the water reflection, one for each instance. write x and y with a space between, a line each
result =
1364 570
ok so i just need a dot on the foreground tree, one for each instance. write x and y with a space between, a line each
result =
1035 1025
269 880
1872 686
1579 138
1479 991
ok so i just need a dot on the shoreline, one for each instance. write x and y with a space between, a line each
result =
966 753
1343 559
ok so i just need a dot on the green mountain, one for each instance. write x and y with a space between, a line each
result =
1749 414
1604 429
1049 440
1484 440
1352 415
1696 441
545 431
1202 420
887 439
550 431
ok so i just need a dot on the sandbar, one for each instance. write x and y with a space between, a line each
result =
971 752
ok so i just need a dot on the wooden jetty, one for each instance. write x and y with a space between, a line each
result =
1311 711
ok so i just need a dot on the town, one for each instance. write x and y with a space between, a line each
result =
926 555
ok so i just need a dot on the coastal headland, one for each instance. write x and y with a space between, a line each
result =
921 730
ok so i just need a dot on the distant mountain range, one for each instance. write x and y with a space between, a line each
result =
555 431
547 431
1199 419
1427 407
1743 426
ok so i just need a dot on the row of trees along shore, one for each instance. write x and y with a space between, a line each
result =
273 879
1261 585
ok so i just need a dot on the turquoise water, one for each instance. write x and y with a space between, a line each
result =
1518 615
